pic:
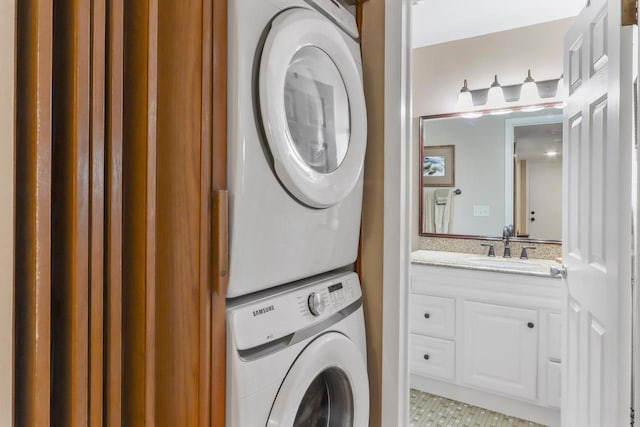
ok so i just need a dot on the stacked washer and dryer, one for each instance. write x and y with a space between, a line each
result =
296 352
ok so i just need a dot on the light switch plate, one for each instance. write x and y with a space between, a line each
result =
480 210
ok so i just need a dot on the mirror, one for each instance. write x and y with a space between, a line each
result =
479 174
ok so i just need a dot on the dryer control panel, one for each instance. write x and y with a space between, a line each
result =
286 316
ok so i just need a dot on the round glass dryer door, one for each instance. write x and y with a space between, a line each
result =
313 108
326 387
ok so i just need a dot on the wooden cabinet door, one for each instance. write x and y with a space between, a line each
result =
500 347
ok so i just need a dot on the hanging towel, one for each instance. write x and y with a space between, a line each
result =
437 210
428 211
442 196
442 214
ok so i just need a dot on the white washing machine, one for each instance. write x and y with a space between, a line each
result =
297 357
297 140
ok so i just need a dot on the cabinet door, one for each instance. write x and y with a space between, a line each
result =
500 349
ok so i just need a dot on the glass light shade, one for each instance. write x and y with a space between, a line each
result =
465 100
495 97
560 90
529 94
529 91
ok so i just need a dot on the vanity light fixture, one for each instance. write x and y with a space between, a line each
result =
529 91
495 97
551 153
531 95
465 102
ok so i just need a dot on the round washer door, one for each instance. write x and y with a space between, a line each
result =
313 108
327 386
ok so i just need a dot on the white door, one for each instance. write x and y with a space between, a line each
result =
544 204
501 348
597 218
313 108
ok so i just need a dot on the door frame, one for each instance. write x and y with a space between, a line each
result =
397 213
7 214
509 141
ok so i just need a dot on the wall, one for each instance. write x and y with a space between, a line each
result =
439 70
7 73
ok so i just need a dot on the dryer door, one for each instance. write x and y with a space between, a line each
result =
313 108
327 386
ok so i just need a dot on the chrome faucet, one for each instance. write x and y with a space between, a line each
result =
507 232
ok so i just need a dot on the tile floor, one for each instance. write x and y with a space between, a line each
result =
428 410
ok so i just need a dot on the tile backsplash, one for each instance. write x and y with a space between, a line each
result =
472 246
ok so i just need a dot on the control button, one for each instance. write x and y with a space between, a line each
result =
316 303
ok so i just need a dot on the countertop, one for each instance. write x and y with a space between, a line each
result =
530 267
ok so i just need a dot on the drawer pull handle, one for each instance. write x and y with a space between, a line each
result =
530 325
426 357
427 315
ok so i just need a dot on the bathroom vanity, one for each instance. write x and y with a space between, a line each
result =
486 331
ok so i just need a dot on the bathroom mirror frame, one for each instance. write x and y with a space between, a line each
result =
421 121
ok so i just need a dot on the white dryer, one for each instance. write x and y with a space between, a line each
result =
297 357
297 140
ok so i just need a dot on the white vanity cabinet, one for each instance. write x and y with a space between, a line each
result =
487 338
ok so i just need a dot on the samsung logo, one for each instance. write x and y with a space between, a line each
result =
263 310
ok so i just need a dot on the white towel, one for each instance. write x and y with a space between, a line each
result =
437 210
443 210
428 210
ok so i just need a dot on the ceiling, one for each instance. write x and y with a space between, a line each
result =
440 21
532 142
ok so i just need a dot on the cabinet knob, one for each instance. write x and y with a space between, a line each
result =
426 357
427 315
530 325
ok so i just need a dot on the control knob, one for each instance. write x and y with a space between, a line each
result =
316 303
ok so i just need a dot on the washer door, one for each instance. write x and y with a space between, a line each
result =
313 108
327 386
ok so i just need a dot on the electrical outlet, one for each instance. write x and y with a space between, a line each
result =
480 210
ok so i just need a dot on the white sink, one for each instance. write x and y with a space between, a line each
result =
512 264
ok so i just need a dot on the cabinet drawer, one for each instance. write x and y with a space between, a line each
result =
553 384
432 357
433 316
554 324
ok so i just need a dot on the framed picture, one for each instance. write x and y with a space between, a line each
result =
439 166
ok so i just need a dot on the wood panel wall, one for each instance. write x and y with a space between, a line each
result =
121 129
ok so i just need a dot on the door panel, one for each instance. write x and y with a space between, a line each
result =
596 218
32 385
121 117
